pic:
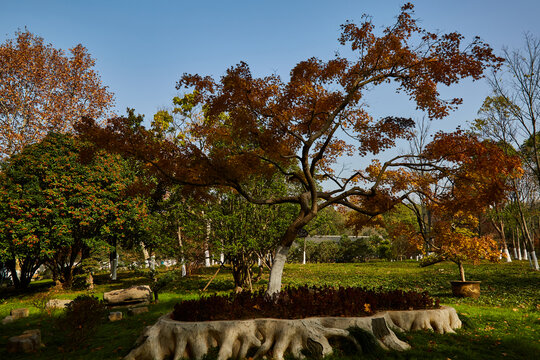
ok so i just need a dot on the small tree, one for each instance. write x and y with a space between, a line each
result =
245 232
469 176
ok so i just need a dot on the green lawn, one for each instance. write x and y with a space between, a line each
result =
503 323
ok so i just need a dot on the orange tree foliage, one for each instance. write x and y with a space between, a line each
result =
455 180
242 126
42 90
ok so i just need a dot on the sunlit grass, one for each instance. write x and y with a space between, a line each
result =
503 323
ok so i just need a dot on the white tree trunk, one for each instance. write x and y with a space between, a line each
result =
515 254
525 256
146 256
182 258
276 273
520 257
114 267
534 261
207 262
507 254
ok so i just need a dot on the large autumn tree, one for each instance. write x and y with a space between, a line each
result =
240 125
56 210
42 89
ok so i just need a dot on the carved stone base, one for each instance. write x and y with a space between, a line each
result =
235 338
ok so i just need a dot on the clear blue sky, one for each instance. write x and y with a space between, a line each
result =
143 47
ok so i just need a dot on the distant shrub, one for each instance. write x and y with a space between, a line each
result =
302 302
81 319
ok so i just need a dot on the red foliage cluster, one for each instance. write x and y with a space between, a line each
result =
302 302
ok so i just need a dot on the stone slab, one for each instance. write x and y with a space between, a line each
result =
29 341
137 310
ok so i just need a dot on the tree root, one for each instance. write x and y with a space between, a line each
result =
275 337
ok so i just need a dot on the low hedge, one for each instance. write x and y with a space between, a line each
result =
302 302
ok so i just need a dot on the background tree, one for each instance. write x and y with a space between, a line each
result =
245 232
462 177
57 210
516 103
42 90
241 125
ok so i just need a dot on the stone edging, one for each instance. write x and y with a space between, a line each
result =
235 338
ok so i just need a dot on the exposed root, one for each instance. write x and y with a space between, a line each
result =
443 320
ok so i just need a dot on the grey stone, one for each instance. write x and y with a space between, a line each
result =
137 310
8 319
115 316
29 341
58 303
134 294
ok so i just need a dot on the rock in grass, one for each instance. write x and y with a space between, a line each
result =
134 294
29 341
115 316
8 319
19 313
58 303
15 314
137 310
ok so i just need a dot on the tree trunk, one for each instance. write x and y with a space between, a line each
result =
514 245
520 257
114 264
304 253
282 250
206 241
276 273
182 258
534 260
507 254
461 271
146 256
90 281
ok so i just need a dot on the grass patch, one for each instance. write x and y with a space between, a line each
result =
503 323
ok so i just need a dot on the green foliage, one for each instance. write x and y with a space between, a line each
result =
345 251
56 209
358 250
329 221
244 231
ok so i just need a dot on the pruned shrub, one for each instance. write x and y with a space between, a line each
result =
302 302
81 319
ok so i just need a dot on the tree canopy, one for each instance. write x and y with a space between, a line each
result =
42 90
240 126
55 209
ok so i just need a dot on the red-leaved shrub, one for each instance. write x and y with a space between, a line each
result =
302 302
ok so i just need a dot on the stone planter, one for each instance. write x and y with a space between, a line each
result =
466 288
264 337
